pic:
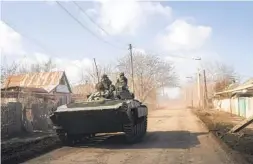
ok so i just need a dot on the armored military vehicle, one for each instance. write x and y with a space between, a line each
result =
121 112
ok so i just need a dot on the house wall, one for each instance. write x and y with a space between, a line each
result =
222 105
62 89
62 92
234 106
217 104
6 100
225 105
241 106
62 98
249 112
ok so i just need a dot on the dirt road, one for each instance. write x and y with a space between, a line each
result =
174 136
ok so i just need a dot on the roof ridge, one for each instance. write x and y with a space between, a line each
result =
36 73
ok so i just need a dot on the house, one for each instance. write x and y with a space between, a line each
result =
42 83
236 100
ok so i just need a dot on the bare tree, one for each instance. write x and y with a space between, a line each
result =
89 75
48 66
221 75
150 72
38 67
16 68
8 70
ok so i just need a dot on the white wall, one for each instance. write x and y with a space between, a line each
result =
222 105
225 105
249 112
234 105
62 89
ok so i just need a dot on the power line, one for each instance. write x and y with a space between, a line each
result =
87 15
32 40
84 27
83 11
175 56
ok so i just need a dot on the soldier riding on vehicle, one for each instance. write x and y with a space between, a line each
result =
105 111
100 92
106 82
122 81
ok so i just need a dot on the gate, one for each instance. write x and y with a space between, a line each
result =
242 106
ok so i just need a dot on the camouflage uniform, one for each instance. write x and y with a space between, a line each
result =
106 82
100 87
101 92
112 88
122 81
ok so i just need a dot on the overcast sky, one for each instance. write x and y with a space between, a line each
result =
212 30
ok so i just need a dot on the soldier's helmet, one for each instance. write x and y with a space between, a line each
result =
121 74
104 76
100 86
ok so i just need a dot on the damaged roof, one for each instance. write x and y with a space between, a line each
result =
45 80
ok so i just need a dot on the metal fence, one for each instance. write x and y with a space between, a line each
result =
241 106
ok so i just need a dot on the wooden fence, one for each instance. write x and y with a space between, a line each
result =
18 118
11 119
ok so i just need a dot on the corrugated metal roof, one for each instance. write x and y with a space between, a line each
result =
45 80
250 81
246 85
233 86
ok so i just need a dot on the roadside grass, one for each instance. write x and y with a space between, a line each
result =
220 123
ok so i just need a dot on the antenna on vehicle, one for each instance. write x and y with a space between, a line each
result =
96 69
132 67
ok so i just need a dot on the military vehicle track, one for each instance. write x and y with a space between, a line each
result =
135 132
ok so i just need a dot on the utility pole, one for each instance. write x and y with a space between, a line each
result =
192 96
205 91
191 90
132 67
185 97
199 89
96 69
